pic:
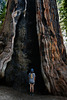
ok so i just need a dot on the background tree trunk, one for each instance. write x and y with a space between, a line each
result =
31 37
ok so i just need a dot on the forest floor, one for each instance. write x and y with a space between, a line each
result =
7 93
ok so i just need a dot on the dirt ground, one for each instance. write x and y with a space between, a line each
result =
7 93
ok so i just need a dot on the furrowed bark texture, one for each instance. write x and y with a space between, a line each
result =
13 57
31 37
52 50
14 11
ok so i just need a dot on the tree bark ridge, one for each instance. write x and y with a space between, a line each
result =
51 47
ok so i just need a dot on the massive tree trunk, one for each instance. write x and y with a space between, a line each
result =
31 37
52 50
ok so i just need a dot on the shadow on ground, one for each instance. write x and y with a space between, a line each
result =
7 93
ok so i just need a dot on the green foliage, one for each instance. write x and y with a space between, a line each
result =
62 6
62 9
59 1
63 15
2 12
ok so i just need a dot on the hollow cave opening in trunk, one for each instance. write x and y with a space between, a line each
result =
33 47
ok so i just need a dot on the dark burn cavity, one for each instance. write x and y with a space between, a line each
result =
33 46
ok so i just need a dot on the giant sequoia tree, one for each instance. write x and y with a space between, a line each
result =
31 37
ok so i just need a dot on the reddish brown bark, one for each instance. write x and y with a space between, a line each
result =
52 50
